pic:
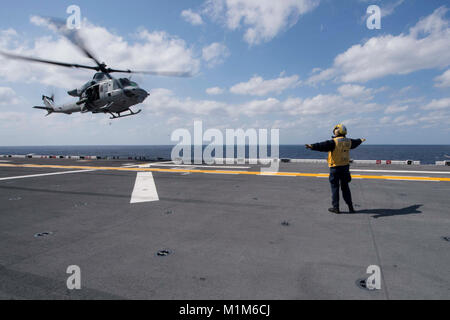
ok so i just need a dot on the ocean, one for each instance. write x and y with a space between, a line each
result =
427 154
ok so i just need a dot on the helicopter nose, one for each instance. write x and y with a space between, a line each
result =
137 93
142 94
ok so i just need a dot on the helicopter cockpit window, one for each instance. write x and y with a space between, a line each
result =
116 84
99 76
125 82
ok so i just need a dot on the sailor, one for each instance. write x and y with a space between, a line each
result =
339 162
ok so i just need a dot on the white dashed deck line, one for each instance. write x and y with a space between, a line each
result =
44 175
420 180
401 171
177 166
232 173
144 188
129 165
151 164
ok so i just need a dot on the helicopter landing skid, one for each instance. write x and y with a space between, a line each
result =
118 115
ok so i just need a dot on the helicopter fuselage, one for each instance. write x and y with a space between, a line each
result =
105 96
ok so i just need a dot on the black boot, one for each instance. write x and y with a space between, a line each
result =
334 210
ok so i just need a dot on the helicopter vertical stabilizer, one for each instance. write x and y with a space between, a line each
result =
49 105
48 102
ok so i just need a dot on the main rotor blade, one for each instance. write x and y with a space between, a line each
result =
61 64
179 74
74 36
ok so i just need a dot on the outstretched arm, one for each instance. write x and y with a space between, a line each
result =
356 143
325 146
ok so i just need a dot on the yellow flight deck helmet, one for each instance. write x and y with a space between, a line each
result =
342 129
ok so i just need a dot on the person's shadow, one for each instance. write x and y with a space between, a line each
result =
381 213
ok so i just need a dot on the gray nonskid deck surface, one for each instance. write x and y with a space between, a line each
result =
225 233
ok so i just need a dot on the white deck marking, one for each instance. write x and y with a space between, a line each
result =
144 188
129 165
196 166
412 180
176 166
270 174
148 165
185 173
44 174
402 171
212 172
395 178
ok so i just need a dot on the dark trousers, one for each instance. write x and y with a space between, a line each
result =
340 176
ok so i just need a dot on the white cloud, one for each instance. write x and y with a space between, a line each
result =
437 104
155 51
214 91
389 9
192 17
405 121
355 91
6 37
257 86
312 114
164 101
443 81
426 46
14 122
395 109
327 103
435 118
319 75
215 54
174 120
8 97
257 107
263 20
403 91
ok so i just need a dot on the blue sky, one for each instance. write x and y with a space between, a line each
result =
298 65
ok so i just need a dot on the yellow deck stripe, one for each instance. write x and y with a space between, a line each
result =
257 173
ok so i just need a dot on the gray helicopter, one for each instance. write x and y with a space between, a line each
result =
104 93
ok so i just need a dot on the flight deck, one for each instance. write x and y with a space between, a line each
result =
158 230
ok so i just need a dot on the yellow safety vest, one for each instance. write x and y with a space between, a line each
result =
340 156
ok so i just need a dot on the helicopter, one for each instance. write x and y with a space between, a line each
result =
104 93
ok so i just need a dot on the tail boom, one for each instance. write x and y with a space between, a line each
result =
49 110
